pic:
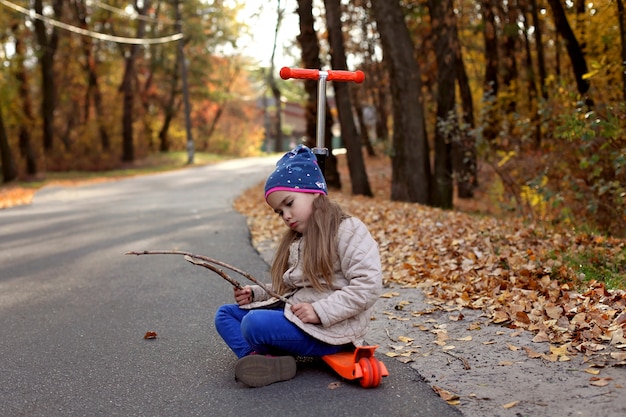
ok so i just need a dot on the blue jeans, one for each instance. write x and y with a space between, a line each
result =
267 332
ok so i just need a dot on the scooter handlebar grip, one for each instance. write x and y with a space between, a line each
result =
314 74
340 75
299 73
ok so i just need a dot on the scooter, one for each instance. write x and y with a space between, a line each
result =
359 364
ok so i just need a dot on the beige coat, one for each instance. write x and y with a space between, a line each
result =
346 308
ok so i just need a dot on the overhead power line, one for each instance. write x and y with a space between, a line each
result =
118 39
121 12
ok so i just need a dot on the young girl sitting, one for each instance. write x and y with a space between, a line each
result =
327 265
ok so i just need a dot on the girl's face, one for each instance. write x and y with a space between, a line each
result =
294 207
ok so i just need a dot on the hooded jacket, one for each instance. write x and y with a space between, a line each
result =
345 308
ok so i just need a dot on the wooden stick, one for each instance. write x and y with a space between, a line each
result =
216 262
215 269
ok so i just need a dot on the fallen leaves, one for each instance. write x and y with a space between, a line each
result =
15 196
599 382
446 395
509 270
150 335
510 405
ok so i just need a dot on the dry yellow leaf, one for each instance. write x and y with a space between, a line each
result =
532 354
390 295
599 382
560 350
511 404
592 371
445 394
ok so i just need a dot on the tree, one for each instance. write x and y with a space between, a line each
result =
271 82
490 86
411 176
25 120
128 147
538 32
310 50
358 175
533 107
93 91
446 127
48 45
621 19
9 173
464 148
577 58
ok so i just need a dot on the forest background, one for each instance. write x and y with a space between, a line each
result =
519 104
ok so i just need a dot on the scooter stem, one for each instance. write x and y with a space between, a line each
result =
320 151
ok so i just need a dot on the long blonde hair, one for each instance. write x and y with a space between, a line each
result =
320 246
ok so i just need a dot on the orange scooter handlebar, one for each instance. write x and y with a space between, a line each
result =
314 74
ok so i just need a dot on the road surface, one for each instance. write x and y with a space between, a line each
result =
74 309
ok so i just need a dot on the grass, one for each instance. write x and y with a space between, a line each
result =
595 264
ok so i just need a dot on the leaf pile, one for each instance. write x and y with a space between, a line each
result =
510 270
15 196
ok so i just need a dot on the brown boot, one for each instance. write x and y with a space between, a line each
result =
260 370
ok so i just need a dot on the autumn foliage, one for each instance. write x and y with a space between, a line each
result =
516 272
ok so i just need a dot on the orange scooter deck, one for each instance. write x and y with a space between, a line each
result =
358 364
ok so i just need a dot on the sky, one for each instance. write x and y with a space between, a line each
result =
261 17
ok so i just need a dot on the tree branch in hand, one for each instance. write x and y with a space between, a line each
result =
190 257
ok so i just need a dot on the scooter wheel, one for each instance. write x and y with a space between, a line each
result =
377 376
367 379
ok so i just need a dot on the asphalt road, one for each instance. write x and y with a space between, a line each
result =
74 309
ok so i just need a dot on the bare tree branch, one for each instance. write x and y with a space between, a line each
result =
190 257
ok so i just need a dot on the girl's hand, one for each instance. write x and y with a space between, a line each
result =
306 313
244 296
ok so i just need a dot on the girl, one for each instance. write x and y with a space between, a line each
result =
327 265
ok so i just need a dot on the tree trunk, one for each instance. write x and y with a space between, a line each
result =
411 176
362 127
185 87
311 59
621 17
271 81
446 128
464 149
48 47
541 61
170 106
491 48
533 107
27 119
128 148
93 87
490 89
574 50
509 15
352 141
9 173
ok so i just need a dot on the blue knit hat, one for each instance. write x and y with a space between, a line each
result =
298 171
